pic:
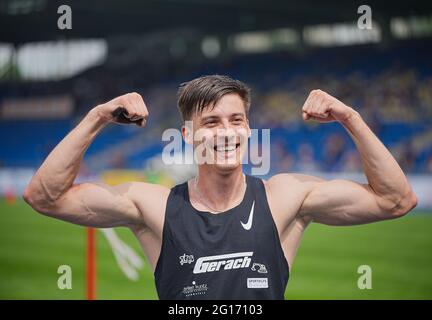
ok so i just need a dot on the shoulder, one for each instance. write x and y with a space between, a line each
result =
286 193
142 191
291 180
149 198
289 187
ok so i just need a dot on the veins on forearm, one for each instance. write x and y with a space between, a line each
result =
47 195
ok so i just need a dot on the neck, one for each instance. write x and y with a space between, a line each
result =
221 191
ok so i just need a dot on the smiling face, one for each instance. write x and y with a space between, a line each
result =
220 133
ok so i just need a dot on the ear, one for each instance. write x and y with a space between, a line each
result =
187 132
249 129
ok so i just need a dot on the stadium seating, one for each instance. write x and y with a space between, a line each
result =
391 88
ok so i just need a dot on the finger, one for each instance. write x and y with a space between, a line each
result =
320 115
320 107
307 104
117 104
133 111
319 112
142 114
133 97
143 108
139 102
140 106
123 102
141 123
316 107
127 114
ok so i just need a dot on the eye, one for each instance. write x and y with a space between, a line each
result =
237 120
210 123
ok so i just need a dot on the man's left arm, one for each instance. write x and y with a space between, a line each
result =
387 194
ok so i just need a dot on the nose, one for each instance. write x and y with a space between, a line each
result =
226 133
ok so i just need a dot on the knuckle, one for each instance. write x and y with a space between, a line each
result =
318 93
130 97
139 97
126 97
134 95
123 101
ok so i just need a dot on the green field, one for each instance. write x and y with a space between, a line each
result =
399 252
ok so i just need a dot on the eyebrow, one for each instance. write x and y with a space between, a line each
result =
209 118
237 114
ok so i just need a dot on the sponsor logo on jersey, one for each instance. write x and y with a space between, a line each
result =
195 289
248 224
223 262
257 283
259 267
186 259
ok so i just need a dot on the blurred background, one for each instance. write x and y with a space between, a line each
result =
51 77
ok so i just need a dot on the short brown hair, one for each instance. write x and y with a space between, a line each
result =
206 91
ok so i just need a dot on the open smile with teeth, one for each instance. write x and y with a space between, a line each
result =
227 148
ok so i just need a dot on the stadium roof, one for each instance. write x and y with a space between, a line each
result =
36 20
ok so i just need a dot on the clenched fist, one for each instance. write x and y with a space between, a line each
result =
322 107
128 108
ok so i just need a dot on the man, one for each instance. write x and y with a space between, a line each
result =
221 235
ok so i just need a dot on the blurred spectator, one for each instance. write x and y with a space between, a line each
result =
429 165
406 157
333 150
351 161
385 91
306 159
281 160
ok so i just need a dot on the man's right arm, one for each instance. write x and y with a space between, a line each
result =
52 191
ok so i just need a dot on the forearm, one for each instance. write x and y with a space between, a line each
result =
59 170
384 175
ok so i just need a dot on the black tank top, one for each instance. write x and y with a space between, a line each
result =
236 254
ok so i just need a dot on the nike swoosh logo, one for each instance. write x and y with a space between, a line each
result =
248 225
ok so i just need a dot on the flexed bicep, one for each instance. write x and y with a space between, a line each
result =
96 205
344 202
387 195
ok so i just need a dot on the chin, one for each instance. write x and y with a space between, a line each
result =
227 168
